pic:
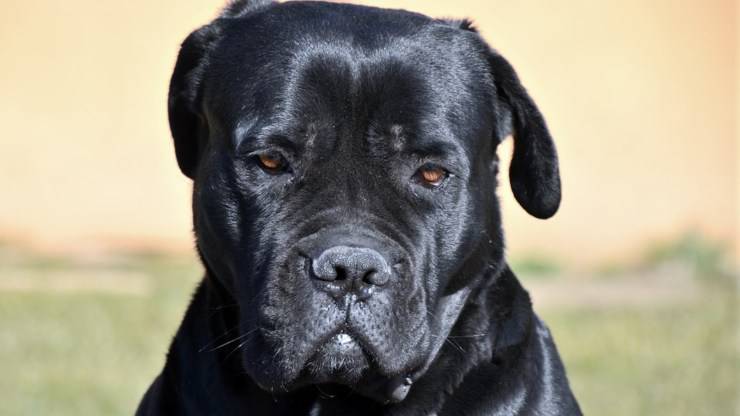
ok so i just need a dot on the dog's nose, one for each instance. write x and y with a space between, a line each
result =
342 269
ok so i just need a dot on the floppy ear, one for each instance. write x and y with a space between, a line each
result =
187 123
533 173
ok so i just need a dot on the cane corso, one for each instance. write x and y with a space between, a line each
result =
344 170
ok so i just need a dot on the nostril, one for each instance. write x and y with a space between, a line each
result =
340 273
369 277
373 277
340 265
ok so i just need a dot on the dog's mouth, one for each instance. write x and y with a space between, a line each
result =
340 358
310 334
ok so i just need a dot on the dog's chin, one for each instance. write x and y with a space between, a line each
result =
341 359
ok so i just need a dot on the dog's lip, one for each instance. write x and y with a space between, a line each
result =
342 338
342 341
340 355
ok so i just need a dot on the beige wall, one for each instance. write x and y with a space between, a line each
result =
640 97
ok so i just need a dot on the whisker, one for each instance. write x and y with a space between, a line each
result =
222 336
467 336
454 344
241 344
221 307
231 341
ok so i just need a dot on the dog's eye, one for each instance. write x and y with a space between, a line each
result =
431 175
272 162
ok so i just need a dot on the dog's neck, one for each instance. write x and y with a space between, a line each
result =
495 322
469 334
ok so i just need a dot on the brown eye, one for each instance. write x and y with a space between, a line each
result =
432 175
271 162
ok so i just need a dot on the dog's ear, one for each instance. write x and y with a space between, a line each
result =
533 173
187 124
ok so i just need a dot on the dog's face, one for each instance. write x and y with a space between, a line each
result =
344 168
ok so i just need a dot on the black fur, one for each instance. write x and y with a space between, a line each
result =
341 282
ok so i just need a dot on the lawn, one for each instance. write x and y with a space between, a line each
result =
674 359
85 337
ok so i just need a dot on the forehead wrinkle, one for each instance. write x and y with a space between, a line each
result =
287 114
273 134
308 52
434 148
348 51
245 127
383 59
437 140
398 141
359 63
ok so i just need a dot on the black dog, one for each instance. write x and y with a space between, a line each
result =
344 167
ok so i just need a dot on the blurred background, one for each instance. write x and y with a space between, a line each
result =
636 275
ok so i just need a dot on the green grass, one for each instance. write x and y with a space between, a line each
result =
706 258
94 352
672 359
88 352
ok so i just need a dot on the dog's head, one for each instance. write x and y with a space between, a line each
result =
344 166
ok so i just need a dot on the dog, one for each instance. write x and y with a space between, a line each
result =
344 171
